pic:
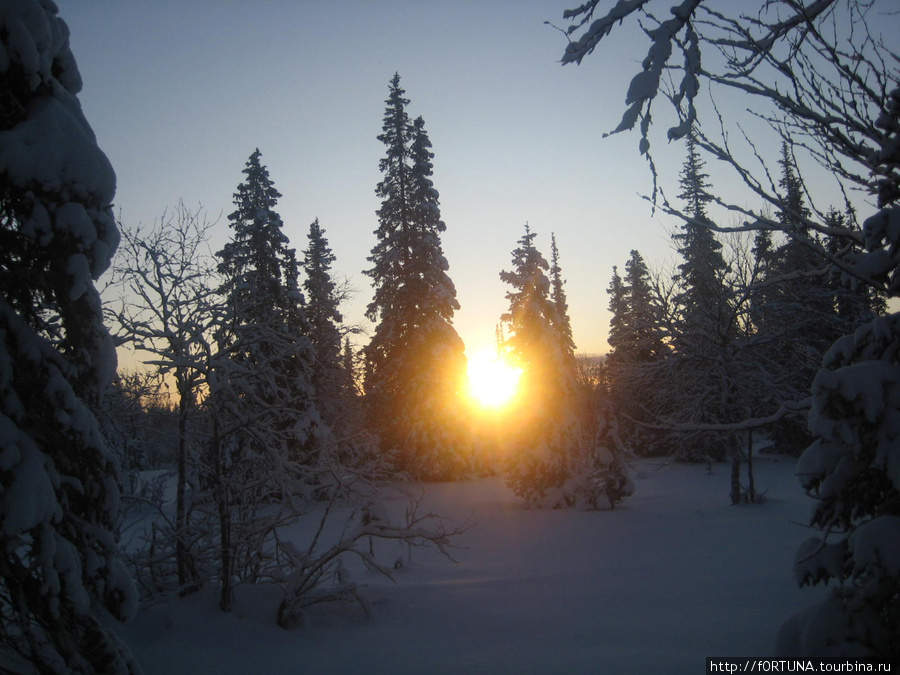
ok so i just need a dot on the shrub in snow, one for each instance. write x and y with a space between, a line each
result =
168 309
317 573
605 479
59 493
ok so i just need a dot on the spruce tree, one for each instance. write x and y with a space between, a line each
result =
59 482
558 295
415 362
702 269
546 441
637 348
800 312
618 308
851 468
267 328
329 376
855 303
702 327
643 313
267 426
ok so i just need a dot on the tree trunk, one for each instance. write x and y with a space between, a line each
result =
226 592
736 475
181 480
751 484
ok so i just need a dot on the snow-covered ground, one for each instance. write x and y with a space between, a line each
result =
674 575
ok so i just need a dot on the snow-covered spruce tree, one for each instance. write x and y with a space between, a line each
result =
854 303
546 447
636 338
830 103
267 329
415 361
558 295
59 492
330 380
853 466
265 422
599 476
702 327
334 371
799 312
609 477
853 469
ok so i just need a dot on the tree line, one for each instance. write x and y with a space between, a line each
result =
728 344
822 77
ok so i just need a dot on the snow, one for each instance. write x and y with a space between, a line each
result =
877 542
672 576
55 149
28 497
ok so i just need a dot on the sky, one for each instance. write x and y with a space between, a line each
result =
181 92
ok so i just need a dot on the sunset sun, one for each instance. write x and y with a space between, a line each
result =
492 380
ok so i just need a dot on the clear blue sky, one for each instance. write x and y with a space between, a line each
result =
180 92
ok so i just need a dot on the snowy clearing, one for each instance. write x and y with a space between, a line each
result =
673 576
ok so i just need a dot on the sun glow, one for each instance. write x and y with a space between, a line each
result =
492 380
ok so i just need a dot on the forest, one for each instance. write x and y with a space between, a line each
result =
267 441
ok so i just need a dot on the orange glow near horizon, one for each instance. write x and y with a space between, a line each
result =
493 382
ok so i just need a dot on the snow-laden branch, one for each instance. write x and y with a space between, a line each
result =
787 408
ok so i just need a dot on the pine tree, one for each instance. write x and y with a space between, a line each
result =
415 362
547 440
761 298
854 303
618 308
59 483
793 212
694 182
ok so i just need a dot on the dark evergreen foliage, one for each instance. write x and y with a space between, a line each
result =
546 439
330 379
267 331
415 361
703 326
266 427
558 295
796 307
59 482
637 389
